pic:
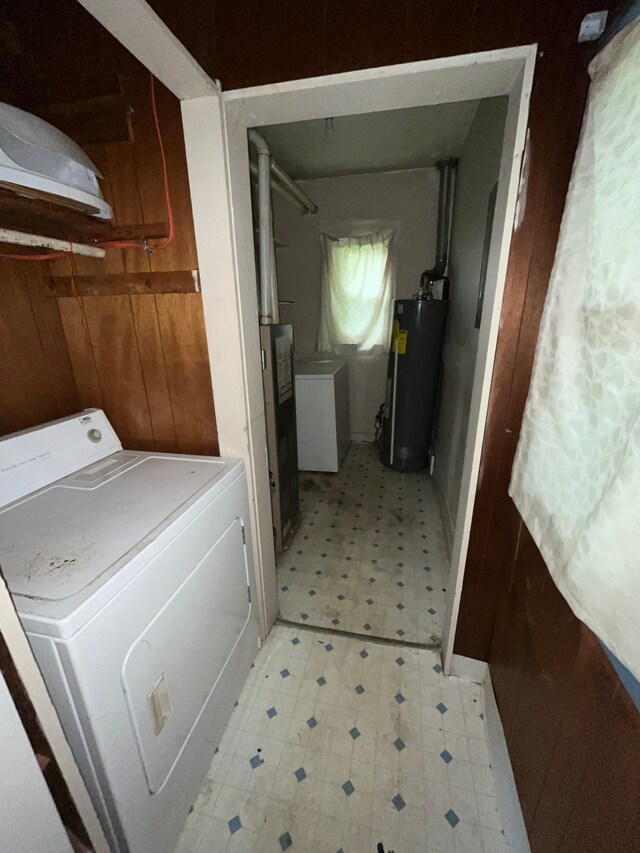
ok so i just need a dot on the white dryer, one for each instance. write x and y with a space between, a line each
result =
133 577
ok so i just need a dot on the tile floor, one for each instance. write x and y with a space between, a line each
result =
369 556
337 744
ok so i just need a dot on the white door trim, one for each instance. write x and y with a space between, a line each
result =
149 39
219 178
502 72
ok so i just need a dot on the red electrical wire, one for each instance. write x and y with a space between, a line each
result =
120 244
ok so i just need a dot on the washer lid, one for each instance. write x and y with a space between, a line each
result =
321 369
66 540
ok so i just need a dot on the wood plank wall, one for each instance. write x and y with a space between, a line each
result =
36 377
142 358
573 735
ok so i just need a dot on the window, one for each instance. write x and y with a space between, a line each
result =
357 289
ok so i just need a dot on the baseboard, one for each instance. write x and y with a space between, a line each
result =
445 514
507 793
474 670
362 436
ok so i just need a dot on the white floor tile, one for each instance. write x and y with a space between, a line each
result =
369 556
318 765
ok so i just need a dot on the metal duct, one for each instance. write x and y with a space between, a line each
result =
265 241
445 204
268 170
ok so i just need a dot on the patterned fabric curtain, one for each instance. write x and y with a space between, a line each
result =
576 476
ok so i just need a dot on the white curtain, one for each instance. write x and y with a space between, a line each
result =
358 283
576 476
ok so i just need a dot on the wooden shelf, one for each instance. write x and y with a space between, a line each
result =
37 216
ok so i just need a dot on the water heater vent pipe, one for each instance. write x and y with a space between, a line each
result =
445 205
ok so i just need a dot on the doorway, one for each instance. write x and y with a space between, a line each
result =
230 304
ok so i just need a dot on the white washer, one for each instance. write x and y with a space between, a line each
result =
132 574
322 414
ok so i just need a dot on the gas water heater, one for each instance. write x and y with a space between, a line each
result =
415 357
412 382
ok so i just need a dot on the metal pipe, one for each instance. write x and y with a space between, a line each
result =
276 186
293 188
443 221
273 289
269 306
265 240
280 175
21 238
445 206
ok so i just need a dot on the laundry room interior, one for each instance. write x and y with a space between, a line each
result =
367 549
271 284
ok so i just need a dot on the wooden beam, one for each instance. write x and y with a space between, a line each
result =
30 214
141 31
124 284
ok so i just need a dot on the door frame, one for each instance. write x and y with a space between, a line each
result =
473 76
215 129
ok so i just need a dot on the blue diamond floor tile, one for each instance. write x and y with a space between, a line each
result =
399 744
321 681
234 824
285 673
399 698
285 841
442 708
446 756
354 732
398 802
452 818
359 689
312 722
348 788
271 713
300 774
295 641
256 761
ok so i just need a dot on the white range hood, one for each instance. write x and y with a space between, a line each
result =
38 160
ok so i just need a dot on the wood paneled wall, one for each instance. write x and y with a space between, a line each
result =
36 377
142 358
572 732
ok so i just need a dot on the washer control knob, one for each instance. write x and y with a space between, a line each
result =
94 435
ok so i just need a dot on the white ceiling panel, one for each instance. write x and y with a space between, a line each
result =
371 142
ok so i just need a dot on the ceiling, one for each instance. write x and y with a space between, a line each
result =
371 142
